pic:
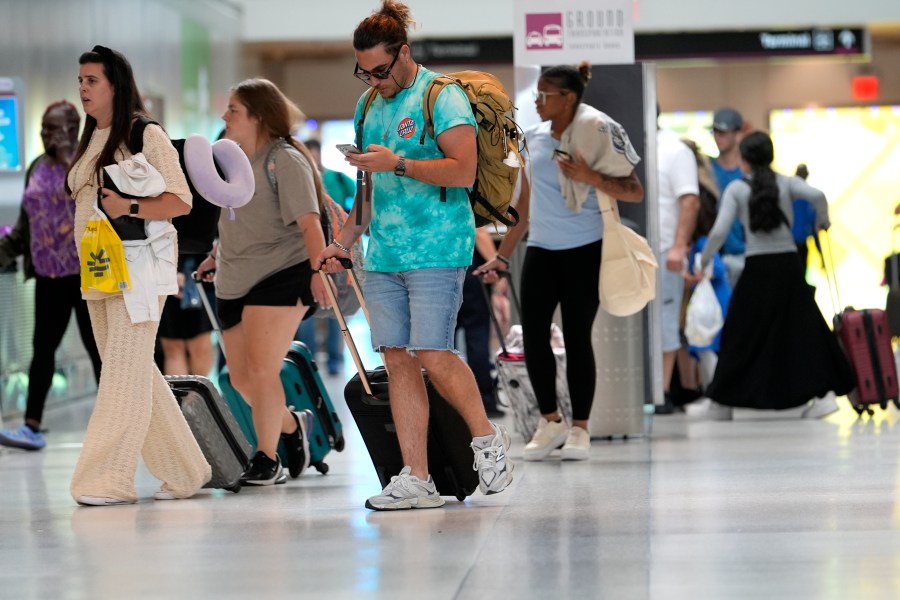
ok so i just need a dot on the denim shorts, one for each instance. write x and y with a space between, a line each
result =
670 295
416 309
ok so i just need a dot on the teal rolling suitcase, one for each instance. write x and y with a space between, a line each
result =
303 389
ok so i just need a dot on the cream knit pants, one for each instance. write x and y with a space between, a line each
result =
135 415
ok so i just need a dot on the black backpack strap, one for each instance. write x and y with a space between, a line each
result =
363 191
136 138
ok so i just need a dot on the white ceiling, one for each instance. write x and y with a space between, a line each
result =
335 20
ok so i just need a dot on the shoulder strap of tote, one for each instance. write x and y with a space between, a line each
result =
609 208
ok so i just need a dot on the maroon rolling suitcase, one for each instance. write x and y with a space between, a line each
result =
866 338
865 335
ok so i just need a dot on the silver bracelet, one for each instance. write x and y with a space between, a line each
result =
340 246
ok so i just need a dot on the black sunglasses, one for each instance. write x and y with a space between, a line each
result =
366 76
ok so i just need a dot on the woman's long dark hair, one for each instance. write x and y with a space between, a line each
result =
758 152
127 105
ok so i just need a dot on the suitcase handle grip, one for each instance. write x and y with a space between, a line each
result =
210 313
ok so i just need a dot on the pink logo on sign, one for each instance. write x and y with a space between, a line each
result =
543 31
406 128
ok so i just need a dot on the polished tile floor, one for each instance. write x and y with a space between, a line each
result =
765 507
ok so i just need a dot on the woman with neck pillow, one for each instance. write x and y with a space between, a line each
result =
219 176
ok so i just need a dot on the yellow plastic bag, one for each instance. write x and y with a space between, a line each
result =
103 266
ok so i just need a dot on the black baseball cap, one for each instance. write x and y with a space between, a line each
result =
727 119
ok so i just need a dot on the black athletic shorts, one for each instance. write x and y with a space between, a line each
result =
283 288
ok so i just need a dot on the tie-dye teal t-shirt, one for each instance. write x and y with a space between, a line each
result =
411 228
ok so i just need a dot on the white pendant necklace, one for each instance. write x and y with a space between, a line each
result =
386 130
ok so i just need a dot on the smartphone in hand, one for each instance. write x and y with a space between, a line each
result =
561 155
348 149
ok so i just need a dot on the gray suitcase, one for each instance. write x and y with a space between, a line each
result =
217 433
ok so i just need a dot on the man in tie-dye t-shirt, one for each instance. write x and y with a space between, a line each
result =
420 246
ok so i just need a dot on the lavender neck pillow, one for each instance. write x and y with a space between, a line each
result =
234 188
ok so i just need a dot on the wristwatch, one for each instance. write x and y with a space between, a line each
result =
133 209
400 169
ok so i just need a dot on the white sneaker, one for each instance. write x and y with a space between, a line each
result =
406 491
820 407
549 436
708 410
101 501
164 495
492 462
578 445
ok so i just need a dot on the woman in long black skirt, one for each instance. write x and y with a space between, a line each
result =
777 351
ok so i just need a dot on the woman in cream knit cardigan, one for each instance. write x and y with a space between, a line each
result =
135 413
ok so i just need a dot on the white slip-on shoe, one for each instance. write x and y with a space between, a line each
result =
577 446
87 500
820 407
708 410
549 436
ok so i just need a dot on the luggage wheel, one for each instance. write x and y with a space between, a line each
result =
235 488
883 404
461 497
321 467
339 444
859 409
897 402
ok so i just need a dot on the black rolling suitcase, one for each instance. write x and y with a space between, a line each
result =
450 457
217 433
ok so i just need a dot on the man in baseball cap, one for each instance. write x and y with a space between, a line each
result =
727 119
727 126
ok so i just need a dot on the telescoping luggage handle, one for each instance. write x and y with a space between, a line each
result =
354 282
831 278
213 320
490 306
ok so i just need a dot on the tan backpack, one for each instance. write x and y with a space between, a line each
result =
500 142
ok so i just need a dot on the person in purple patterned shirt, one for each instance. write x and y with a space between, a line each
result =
44 236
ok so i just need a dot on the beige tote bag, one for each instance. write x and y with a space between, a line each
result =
627 265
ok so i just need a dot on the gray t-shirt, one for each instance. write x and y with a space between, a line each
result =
736 203
264 237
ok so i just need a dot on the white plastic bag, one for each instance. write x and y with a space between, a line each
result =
704 315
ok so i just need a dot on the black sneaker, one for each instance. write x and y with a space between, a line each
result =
296 444
263 471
